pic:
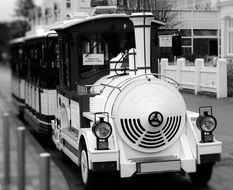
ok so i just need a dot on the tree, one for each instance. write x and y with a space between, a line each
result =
4 38
8 32
24 8
162 9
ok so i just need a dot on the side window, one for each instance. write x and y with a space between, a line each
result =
43 66
52 62
31 61
28 60
68 4
65 62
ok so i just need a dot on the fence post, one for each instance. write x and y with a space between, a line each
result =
163 65
198 63
44 171
21 157
180 63
221 78
6 133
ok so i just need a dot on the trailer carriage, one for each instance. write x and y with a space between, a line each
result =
18 73
41 60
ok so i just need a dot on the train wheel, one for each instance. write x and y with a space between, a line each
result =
86 174
202 175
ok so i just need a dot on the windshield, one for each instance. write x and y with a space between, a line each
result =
97 49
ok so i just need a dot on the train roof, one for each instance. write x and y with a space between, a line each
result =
17 40
72 22
69 23
158 22
40 33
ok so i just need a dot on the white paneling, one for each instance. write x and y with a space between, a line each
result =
22 89
48 102
75 114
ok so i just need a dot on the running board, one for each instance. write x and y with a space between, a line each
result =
69 133
70 143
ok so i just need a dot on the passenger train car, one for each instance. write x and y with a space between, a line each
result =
35 77
18 76
41 55
114 111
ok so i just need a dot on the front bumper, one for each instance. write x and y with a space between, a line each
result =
209 152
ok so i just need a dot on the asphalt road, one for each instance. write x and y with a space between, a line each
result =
222 178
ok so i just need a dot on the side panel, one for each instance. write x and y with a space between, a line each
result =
22 89
26 92
16 86
37 100
75 114
33 91
65 110
48 102
30 95
13 85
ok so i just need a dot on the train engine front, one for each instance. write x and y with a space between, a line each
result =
141 123
137 121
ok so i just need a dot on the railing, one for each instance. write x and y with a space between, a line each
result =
198 77
44 175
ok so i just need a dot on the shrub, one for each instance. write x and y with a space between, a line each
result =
230 79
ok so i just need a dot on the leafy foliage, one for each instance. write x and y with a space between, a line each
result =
230 80
4 38
8 32
24 8
162 9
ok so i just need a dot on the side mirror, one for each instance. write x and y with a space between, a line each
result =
176 45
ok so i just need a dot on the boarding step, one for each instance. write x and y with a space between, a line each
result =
157 164
70 132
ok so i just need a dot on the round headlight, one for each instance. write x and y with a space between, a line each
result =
208 123
102 130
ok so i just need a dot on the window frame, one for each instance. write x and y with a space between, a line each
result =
64 67
230 37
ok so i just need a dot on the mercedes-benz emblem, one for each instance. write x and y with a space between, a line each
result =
155 119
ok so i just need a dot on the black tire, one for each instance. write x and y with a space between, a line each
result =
86 173
202 175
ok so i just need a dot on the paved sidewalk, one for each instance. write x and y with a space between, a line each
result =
33 148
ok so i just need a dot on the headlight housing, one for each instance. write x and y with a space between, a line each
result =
102 130
206 123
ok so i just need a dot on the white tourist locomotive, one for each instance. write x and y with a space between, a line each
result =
118 115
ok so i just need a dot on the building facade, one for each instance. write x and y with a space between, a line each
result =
197 20
199 27
226 24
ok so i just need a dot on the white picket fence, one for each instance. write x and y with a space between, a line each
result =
198 77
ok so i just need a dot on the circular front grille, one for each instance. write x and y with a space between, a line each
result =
148 139
149 115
